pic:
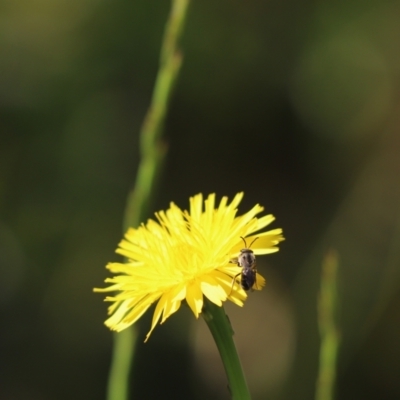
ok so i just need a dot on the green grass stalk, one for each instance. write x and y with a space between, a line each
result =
141 197
328 327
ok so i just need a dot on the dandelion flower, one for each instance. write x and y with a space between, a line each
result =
185 255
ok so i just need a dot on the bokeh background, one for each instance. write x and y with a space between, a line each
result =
296 103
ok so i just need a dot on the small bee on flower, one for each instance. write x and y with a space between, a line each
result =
247 261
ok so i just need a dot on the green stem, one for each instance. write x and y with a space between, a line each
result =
139 202
124 346
330 337
222 333
152 148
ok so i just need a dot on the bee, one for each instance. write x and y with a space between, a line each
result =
247 261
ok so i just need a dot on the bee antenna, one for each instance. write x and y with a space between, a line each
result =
253 241
245 245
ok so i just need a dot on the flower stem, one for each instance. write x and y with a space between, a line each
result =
152 151
330 337
222 333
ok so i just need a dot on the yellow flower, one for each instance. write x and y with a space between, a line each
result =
185 255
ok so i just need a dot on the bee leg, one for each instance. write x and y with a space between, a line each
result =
233 282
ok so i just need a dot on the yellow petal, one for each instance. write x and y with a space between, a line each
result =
126 314
260 282
194 298
265 220
157 313
212 290
173 301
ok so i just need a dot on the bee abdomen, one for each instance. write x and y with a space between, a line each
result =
248 279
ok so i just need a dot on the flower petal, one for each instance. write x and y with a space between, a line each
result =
173 301
212 290
157 314
194 298
260 282
126 314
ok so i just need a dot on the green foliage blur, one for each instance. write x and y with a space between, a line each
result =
293 102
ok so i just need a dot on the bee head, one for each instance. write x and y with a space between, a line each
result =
246 258
246 251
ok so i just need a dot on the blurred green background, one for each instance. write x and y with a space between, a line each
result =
294 102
